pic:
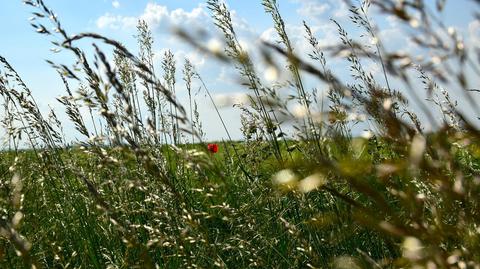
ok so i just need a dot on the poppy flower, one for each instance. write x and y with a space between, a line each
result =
213 148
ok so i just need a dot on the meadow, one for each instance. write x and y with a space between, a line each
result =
141 188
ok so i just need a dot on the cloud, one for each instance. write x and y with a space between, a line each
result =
321 10
158 17
116 22
161 20
312 8
116 4
341 10
221 78
474 32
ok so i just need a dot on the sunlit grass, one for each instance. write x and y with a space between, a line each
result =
141 188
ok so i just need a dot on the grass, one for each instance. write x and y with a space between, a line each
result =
141 190
239 222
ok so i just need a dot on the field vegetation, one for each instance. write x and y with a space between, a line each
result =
141 188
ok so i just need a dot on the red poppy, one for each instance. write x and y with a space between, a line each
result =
213 148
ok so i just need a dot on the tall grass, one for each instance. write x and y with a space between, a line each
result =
140 190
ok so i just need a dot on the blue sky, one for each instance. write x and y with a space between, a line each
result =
27 50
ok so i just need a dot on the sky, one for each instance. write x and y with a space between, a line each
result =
117 19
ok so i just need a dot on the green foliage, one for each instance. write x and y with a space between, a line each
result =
142 190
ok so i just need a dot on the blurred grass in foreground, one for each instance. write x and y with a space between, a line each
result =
134 193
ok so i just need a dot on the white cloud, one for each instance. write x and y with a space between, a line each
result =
474 32
321 10
269 35
155 15
312 8
340 11
158 17
115 22
161 19
116 4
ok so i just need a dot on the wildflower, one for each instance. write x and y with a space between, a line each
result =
213 148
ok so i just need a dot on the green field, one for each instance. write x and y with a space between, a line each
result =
112 206
139 187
